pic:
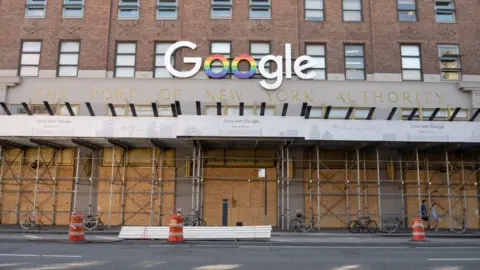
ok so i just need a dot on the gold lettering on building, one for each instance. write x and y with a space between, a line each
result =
308 98
392 97
439 97
295 96
378 96
51 94
406 97
340 97
165 94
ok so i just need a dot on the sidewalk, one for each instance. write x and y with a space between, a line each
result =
56 230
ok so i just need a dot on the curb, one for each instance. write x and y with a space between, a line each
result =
58 232
64 241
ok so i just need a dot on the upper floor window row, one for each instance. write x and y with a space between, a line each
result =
407 10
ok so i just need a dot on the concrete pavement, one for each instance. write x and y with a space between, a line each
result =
117 256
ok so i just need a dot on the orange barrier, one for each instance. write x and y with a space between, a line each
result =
418 230
175 234
76 231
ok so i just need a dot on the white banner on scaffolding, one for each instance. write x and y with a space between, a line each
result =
84 126
238 126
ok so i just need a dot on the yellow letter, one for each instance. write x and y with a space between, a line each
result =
93 93
211 95
280 95
308 97
406 97
340 97
295 96
236 95
439 97
392 97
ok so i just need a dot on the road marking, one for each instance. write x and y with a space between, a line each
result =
63 256
448 247
19 255
32 236
107 237
347 267
218 267
454 259
11 264
38 255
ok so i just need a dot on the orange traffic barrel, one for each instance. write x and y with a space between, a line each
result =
175 234
76 230
418 230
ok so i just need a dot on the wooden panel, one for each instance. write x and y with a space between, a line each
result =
107 156
214 158
265 158
139 157
243 158
67 156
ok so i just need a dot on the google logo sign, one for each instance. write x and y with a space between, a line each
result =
299 66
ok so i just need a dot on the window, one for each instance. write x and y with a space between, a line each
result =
68 60
354 62
406 113
407 10
72 8
234 110
411 64
361 113
257 51
222 48
120 110
449 62
314 10
445 11
160 69
35 8
352 10
167 9
142 110
221 9
62 109
317 52
125 60
442 114
30 58
128 9
260 9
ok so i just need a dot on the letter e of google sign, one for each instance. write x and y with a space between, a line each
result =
301 64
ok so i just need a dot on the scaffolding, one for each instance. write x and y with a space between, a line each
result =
132 187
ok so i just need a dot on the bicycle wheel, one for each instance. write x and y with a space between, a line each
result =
100 225
460 225
372 226
26 223
390 225
306 227
89 225
354 226
295 224
201 222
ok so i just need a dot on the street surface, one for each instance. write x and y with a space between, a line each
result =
48 252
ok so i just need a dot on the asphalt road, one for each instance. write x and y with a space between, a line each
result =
152 255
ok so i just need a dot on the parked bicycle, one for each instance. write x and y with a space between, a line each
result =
301 224
392 224
94 222
28 222
193 220
362 224
459 224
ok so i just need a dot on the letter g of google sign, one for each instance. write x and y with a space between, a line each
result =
301 64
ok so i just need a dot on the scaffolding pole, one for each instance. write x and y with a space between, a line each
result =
279 175
201 172
77 170
464 193
199 165
194 174
365 182
34 207
429 183
310 195
347 210
1 182
54 179
21 178
124 183
402 192
379 191
160 189
418 183
448 190
318 187
111 188
359 192
283 187
152 185
288 188
90 179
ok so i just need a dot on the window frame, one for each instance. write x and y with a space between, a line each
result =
258 75
165 6
120 6
68 4
313 56
458 58
357 10
253 5
31 4
357 57
155 54
452 10
229 74
225 5
414 10
314 20
116 55
21 57
60 53
420 60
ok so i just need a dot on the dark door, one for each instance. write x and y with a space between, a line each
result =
225 212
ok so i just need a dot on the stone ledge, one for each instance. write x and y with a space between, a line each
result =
468 86
9 81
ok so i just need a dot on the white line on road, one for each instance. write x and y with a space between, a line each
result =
38 255
106 237
63 256
11 264
454 259
32 236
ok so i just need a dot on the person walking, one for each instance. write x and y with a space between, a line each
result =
434 217
423 213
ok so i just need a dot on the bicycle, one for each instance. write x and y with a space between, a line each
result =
29 223
93 222
356 226
462 225
300 224
192 220
391 225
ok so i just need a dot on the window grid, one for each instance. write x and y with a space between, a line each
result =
450 68
254 52
260 9
354 70
423 114
445 11
159 70
217 66
35 8
167 9
66 54
221 9
73 8
318 53
128 9
30 58
314 10
407 10
234 110
352 10
121 68
412 57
